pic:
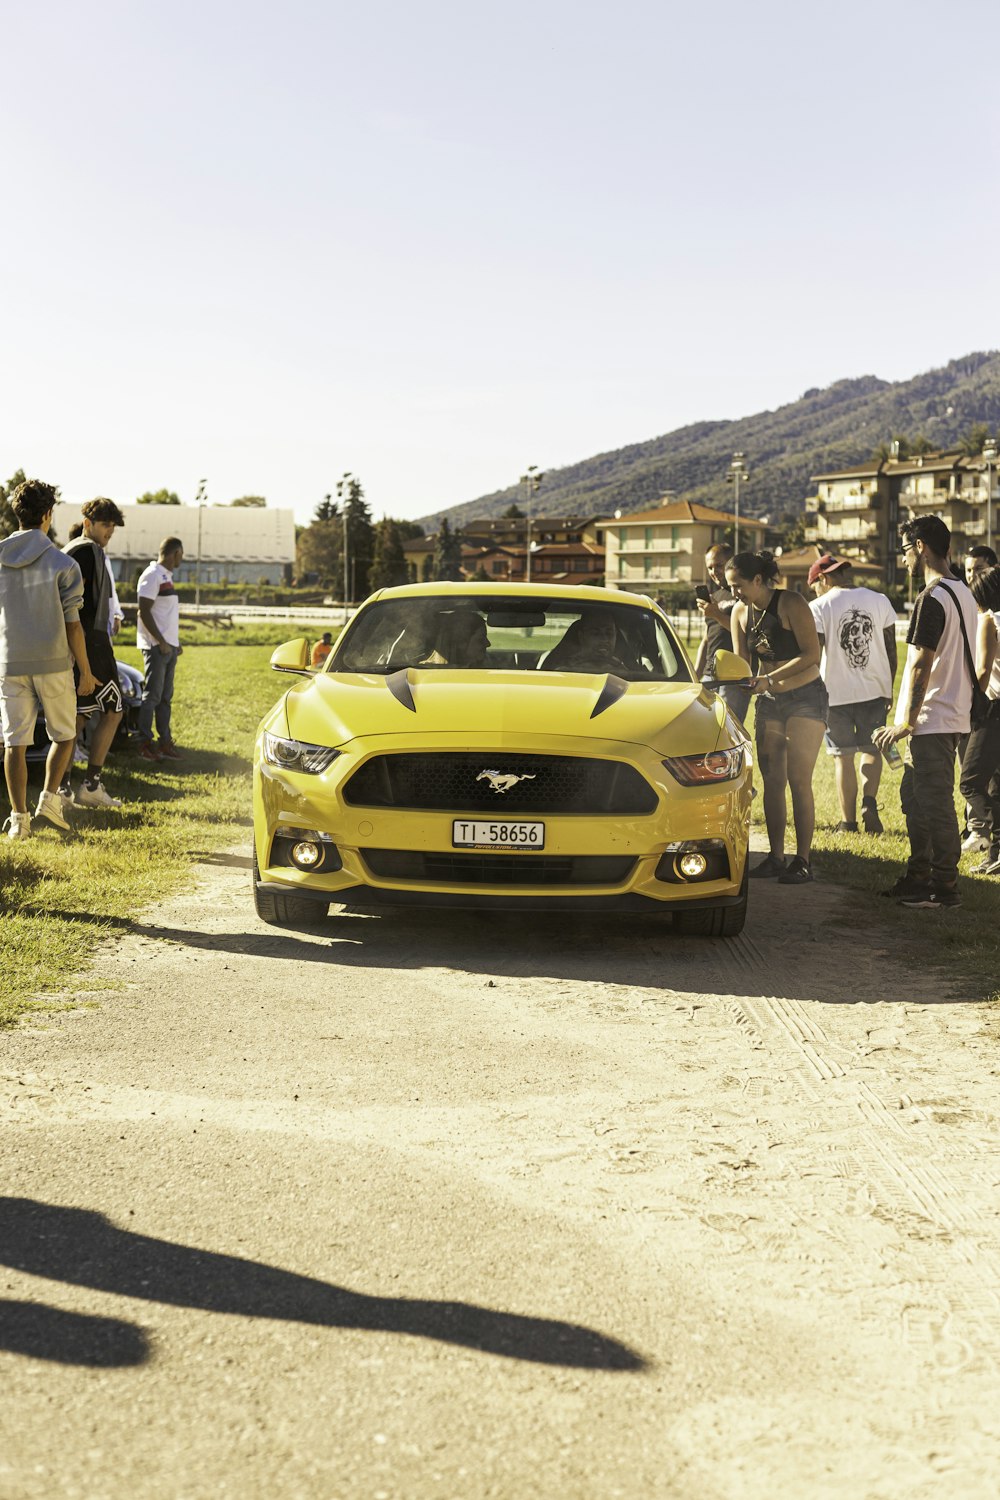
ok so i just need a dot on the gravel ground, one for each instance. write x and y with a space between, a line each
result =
456 1205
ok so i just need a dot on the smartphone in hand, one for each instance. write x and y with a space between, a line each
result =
703 592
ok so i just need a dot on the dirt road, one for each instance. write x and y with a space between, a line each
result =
466 1206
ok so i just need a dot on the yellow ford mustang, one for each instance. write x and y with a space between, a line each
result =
505 746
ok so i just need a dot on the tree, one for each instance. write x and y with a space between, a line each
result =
257 502
448 553
388 567
8 520
514 513
972 442
326 510
409 530
319 550
922 445
360 533
158 497
884 452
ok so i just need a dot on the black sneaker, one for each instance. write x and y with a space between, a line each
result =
935 899
843 827
905 886
870 820
768 868
798 873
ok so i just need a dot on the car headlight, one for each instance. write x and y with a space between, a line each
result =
296 755
702 770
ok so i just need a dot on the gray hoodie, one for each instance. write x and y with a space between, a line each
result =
41 590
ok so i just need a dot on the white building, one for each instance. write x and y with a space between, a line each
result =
238 544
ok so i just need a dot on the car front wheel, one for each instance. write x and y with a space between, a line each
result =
279 910
720 921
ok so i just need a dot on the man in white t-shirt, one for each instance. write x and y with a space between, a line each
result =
158 638
934 709
857 630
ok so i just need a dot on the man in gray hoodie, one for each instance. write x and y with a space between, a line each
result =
41 590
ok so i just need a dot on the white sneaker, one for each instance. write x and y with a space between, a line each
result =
975 843
18 826
50 808
66 798
96 797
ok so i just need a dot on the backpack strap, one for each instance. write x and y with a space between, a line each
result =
965 639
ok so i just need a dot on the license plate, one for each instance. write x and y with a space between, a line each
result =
497 835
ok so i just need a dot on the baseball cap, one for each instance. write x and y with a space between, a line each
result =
826 564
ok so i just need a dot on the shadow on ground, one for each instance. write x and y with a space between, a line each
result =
86 1249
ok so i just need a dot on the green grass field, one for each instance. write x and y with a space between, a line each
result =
58 898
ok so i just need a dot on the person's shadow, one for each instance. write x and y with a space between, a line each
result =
84 1248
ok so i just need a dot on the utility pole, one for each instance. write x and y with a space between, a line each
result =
736 472
344 491
199 500
531 479
990 455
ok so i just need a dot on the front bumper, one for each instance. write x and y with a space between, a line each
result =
717 814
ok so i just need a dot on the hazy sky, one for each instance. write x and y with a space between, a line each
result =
433 241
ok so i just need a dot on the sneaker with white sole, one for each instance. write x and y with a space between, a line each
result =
18 826
50 809
975 843
95 796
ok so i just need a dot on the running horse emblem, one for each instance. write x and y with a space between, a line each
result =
502 781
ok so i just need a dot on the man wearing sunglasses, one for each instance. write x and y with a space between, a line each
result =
933 712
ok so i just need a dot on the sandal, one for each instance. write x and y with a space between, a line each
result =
798 873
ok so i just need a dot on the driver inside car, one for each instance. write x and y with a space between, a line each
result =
589 645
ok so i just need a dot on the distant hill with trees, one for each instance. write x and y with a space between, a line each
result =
845 423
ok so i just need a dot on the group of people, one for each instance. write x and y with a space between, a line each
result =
824 670
59 614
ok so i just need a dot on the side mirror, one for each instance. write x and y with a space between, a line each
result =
292 656
731 668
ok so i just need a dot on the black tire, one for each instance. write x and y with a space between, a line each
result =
285 911
719 921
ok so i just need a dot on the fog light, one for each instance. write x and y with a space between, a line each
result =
692 865
306 854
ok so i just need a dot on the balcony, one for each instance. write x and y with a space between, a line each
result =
852 502
811 533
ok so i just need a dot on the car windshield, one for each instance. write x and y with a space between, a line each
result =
520 634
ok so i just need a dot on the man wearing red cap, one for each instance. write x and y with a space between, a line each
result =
857 630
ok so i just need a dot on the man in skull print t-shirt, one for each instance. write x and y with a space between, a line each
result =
857 630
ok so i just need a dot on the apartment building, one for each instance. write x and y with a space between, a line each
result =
647 551
857 512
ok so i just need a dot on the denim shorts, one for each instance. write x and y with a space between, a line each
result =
811 701
850 726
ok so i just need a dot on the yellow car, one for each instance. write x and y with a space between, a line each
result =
502 746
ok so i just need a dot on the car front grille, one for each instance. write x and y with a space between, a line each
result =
447 782
498 869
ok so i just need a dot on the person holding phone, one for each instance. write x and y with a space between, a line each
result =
715 601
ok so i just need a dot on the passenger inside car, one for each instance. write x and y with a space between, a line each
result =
461 641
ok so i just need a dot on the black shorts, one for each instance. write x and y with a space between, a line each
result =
850 726
108 697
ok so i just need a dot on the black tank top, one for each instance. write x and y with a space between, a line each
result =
766 635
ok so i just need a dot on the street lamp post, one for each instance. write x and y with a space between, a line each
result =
736 473
531 479
199 500
990 455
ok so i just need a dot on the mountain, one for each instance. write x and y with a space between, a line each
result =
825 429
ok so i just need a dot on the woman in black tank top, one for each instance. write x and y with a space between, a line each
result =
774 630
